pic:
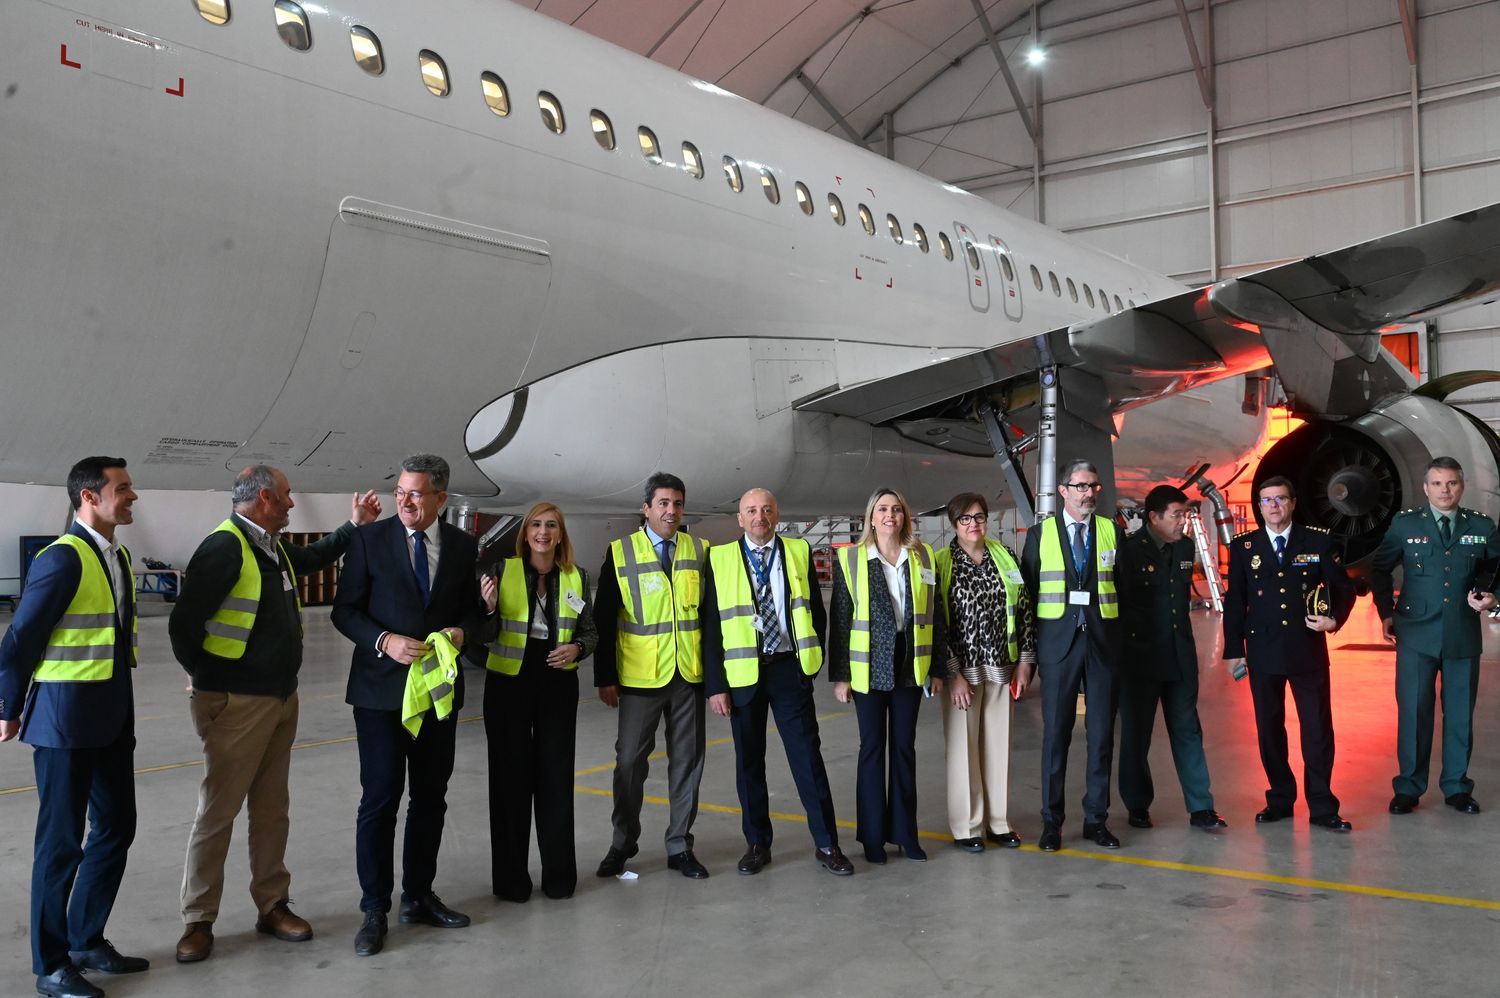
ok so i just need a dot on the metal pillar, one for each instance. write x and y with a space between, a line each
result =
1046 433
1007 456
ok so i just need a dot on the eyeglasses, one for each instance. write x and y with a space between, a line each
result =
1082 487
1274 500
415 495
965 519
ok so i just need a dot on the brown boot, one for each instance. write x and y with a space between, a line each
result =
281 923
196 942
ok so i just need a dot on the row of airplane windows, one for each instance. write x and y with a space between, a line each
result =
293 27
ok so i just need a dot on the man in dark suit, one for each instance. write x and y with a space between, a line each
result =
67 657
761 651
1271 628
1443 550
1068 564
403 580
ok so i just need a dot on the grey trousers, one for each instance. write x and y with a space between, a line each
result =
682 704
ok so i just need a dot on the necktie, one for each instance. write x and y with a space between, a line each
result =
1080 550
765 603
1446 529
419 565
1280 546
668 551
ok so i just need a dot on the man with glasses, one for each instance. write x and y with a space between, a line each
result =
1442 550
1287 590
1160 664
1069 568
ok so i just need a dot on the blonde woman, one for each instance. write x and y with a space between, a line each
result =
886 639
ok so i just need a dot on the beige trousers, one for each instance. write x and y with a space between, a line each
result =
978 743
247 745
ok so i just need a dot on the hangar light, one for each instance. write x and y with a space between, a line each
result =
1036 56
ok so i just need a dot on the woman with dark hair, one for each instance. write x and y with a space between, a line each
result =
992 655
885 641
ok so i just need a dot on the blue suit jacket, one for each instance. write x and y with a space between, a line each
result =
63 715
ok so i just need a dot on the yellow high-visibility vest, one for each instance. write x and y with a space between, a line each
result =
854 562
226 633
81 648
1052 575
657 633
430 682
737 615
513 610
1010 578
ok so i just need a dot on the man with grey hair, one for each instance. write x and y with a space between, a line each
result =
237 630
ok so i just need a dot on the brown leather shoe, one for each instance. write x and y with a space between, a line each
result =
196 942
281 923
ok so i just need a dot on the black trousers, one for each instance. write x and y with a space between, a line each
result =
1310 691
886 802
1062 680
73 882
530 720
386 752
784 691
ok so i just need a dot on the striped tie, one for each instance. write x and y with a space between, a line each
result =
765 604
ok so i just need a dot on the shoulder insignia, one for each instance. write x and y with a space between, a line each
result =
1414 509
1321 530
1245 533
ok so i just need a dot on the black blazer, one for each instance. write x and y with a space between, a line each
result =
378 593
1265 606
1055 637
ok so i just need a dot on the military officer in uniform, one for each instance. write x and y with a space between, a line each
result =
1275 623
1154 574
1443 550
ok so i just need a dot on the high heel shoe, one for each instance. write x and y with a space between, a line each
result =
913 852
875 855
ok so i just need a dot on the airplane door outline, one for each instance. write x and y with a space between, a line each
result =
1008 278
975 272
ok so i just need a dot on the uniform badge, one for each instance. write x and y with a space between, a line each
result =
1247 545
1150 568
1185 565
1255 560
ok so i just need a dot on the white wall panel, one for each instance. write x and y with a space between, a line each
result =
1296 226
1174 245
1459 44
1101 122
1452 191
1461 129
1084 198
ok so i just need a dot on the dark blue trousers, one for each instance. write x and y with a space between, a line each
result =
886 802
73 881
786 693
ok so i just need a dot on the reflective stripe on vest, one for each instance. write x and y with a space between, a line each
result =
430 682
1010 578
1052 577
737 615
514 609
226 633
81 648
657 628
854 562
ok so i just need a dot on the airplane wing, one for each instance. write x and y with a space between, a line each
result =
1316 320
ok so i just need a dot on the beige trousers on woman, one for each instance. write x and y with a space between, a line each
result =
978 743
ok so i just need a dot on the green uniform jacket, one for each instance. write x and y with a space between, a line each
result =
1155 583
1432 613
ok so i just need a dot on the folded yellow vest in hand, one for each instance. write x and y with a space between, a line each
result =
430 683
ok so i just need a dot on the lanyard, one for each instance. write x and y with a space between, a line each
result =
762 578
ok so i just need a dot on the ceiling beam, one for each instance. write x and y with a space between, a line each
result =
1205 85
673 29
1408 30
827 105
1010 81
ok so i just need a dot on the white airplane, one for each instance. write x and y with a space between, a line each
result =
324 236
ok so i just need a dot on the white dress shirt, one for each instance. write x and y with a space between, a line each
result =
895 581
1287 533
778 588
111 552
434 544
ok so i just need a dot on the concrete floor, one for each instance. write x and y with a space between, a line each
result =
1403 906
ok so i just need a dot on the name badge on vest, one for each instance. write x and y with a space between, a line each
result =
574 601
653 583
286 583
1013 575
758 624
1077 598
928 577
1107 559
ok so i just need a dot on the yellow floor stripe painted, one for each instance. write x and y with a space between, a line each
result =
658 756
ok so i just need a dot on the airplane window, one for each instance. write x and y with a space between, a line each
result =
434 73
972 255
732 174
836 208
552 112
1088 296
214 11
867 220
692 160
946 245
604 132
1118 306
366 50
291 25
1056 288
804 198
894 227
1072 289
768 185
919 236
649 148
1010 272
495 94
1036 278
1103 300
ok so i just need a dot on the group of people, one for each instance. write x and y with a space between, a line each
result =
676 628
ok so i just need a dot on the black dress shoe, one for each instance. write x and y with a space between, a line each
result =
1271 813
756 858
370 939
1101 836
67 982
1462 802
1332 822
875 854
1139 818
613 863
107 960
1005 840
1051 839
1402 804
1208 819
834 861
969 845
687 864
429 909
913 852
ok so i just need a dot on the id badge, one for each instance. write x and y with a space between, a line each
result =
1078 598
574 601
758 624
928 577
1107 559
286 583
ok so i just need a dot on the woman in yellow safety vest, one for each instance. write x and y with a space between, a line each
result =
885 643
546 625
992 649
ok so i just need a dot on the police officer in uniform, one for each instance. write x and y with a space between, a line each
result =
1442 550
1160 664
1270 627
